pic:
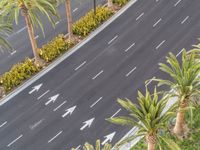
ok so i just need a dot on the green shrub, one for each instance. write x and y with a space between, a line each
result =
120 2
90 22
18 74
54 48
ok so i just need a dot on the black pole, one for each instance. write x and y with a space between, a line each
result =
94 7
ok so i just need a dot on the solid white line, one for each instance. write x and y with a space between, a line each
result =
186 18
177 3
80 66
55 136
157 22
96 102
179 53
57 22
36 37
21 29
14 141
3 124
116 113
59 106
13 52
43 94
113 39
157 47
97 74
140 16
75 9
129 47
130 72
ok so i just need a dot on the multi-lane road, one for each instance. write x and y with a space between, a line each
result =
20 41
76 97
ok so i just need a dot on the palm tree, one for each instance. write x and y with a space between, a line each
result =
148 117
88 146
184 82
31 10
69 18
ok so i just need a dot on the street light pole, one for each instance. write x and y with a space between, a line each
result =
94 7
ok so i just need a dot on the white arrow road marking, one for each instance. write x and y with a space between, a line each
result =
59 106
55 136
108 138
14 140
87 123
52 99
69 111
35 88
3 124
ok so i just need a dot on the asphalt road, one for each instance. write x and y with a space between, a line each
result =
20 41
85 86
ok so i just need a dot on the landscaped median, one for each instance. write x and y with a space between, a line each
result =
55 48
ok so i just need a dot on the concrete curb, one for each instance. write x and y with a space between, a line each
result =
66 55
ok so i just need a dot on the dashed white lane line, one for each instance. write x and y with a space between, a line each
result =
80 66
57 22
184 20
177 3
37 36
149 81
131 71
75 9
14 140
36 124
21 29
43 95
60 105
113 39
139 16
116 113
179 53
13 52
157 22
126 50
78 147
97 75
96 102
3 124
55 136
159 45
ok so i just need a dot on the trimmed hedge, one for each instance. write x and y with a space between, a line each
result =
89 22
18 74
54 48
120 2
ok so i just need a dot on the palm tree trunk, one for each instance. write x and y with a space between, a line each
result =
69 18
151 141
110 3
38 60
180 121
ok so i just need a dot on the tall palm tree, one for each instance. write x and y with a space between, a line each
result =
184 80
148 116
69 17
88 146
31 10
